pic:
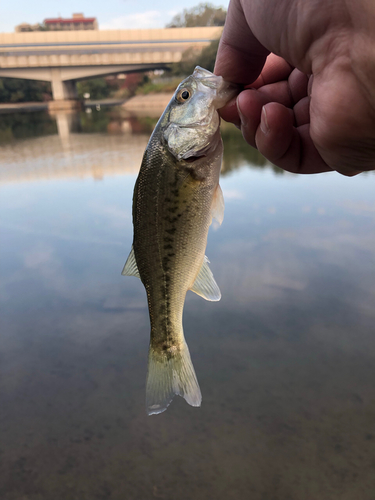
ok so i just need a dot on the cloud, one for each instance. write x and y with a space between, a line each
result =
233 194
140 20
358 207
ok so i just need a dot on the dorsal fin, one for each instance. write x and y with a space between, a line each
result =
131 268
205 284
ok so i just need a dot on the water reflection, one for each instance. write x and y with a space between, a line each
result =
87 145
92 144
23 125
285 361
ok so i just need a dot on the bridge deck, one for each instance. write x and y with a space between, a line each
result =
35 49
63 57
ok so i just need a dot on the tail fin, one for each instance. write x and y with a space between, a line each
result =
169 374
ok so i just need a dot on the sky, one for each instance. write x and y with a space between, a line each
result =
111 14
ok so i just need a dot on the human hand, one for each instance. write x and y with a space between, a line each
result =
311 107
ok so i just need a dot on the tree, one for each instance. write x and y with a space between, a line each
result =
195 57
204 14
17 90
96 87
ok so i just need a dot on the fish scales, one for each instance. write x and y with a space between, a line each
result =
176 194
175 238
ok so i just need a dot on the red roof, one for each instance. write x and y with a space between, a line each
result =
73 20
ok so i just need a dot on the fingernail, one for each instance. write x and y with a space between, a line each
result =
242 116
263 121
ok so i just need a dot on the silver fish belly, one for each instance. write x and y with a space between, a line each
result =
176 195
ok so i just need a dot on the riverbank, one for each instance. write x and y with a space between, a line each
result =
144 105
16 107
151 105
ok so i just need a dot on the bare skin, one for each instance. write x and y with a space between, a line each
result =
308 70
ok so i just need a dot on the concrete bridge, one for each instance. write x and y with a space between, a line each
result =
62 58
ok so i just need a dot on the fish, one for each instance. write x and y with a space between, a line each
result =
176 196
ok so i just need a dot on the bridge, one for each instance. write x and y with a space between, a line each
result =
62 58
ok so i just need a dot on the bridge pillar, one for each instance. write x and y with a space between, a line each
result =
64 93
61 89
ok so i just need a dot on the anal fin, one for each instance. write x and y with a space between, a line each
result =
205 284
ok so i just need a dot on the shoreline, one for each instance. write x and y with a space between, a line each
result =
14 107
148 104
151 105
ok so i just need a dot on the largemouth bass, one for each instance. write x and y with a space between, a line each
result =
176 195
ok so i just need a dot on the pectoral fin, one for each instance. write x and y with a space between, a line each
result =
130 268
205 284
217 208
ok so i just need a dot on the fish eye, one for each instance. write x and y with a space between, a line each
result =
183 95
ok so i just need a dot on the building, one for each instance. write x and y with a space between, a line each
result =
77 22
24 27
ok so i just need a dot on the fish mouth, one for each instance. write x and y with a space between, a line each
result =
223 89
192 159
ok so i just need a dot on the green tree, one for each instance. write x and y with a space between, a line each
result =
96 87
204 14
17 90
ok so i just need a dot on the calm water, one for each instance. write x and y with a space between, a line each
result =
286 360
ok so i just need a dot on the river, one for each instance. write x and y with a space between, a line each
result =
285 361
